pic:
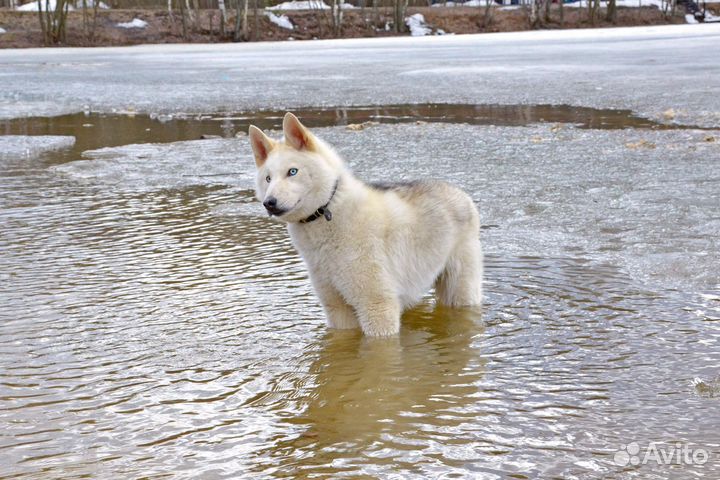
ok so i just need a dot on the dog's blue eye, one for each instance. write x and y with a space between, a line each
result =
267 179
292 172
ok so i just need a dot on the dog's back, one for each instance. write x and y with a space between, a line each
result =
427 221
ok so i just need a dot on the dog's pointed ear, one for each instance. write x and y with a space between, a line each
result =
296 135
261 145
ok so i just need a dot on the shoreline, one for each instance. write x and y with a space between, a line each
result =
23 31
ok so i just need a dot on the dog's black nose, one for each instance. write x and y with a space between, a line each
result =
271 206
270 203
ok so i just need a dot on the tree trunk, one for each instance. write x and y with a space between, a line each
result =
191 14
182 18
62 31
196 15
611 11
192 20
238 19
337 16
53 22
85 18
400 7
533 14
561 4
589 11
245 28
241 21
42 22
223 15
96 6
256 20
48 22
489 13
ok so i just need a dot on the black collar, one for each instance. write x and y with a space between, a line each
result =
323 211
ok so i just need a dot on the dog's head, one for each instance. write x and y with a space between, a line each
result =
295 176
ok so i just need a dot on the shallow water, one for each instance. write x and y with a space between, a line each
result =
156 324
96 130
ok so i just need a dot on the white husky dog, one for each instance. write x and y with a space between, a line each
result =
371 250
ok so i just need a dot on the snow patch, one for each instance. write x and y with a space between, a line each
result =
660 4
90 4
301 5
281 21
150 166
308 5
30 146
33 6
469 3
135 23
418 27
46 6
2 30
690 18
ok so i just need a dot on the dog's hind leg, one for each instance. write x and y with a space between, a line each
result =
460 283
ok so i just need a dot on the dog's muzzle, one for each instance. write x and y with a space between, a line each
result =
270 205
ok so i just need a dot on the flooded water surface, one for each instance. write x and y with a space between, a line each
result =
155 324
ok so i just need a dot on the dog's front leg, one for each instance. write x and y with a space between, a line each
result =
379 315
337 311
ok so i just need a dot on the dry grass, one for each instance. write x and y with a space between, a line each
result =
23 28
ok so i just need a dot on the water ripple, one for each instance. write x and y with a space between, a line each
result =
165 328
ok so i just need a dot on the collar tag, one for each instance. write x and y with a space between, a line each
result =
323 211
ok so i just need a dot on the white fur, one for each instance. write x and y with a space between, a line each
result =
383 249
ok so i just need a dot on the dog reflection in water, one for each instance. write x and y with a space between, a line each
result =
369 394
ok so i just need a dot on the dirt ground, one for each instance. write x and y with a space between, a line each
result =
23 28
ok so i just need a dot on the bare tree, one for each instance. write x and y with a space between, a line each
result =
241 21
668 8
561 4
196 13
489 14
52 22
42 22
256 26
399 9
611 14
88 27
190 14
337 16
183 19
593 11
320 15
533 14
